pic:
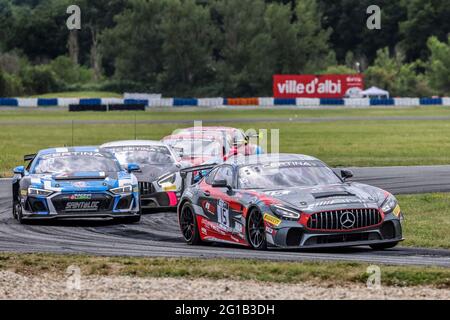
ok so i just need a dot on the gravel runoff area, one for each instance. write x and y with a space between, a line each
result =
46 286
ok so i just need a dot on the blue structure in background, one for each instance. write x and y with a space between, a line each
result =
11 102
284 101
52 102
332 101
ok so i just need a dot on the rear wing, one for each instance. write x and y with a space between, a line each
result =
29 157
191 175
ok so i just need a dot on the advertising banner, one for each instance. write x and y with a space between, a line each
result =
317 86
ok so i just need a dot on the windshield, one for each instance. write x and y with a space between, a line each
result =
195 147
69 162
142 155
285 175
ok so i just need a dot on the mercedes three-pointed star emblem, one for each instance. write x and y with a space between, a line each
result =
348 220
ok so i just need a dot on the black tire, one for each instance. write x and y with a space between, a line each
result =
133 219
18 213
256 231
383 246
14 213
188 225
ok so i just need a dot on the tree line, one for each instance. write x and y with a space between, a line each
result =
220 47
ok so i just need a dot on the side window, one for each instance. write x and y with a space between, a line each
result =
210 177
224 173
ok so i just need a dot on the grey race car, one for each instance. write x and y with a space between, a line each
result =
288 201
158 181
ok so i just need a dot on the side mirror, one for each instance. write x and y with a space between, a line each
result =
346 174
19 170
221 184
133 167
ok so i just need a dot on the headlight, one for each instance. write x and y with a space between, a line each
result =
164 180
389 204
39 192
122 190
285 212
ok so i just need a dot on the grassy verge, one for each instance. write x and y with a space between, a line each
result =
286 272
427 222
80 94
341 143
51 114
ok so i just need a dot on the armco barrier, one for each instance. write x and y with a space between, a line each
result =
241 101
9 102
27 102
332 101
382 102
214 102
90 102
65 102
357 102
307 102
266 101
431 101
405 102
88 107
284 101
112 101
52 102
163 102
135 102
178 102
210 102
127 107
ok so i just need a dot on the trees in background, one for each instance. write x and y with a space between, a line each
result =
396 76
438 68
221 47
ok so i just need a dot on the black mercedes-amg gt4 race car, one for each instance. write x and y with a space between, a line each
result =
285 201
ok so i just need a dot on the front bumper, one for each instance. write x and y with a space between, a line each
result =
291 234
63 205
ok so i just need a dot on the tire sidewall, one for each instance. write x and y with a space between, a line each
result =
263 245
195 239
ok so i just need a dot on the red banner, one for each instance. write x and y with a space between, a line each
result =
321 86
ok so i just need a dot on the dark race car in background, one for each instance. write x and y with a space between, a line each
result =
78 182
288 201
158 181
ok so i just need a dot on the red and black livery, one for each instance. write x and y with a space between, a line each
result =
285 201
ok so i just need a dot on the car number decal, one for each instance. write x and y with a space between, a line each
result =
223 213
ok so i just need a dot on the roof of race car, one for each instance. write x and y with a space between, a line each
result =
209 129
69 149
128 143
194 136
266 158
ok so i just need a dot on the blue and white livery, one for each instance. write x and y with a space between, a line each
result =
73 183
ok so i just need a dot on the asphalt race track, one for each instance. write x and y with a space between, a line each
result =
157 235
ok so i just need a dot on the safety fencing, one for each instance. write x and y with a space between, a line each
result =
126 103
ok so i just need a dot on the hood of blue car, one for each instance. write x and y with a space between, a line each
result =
81 181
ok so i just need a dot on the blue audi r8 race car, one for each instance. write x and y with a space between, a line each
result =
74 183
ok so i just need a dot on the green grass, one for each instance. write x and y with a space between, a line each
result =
80 94
427 222
236 269
52 114
339 143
